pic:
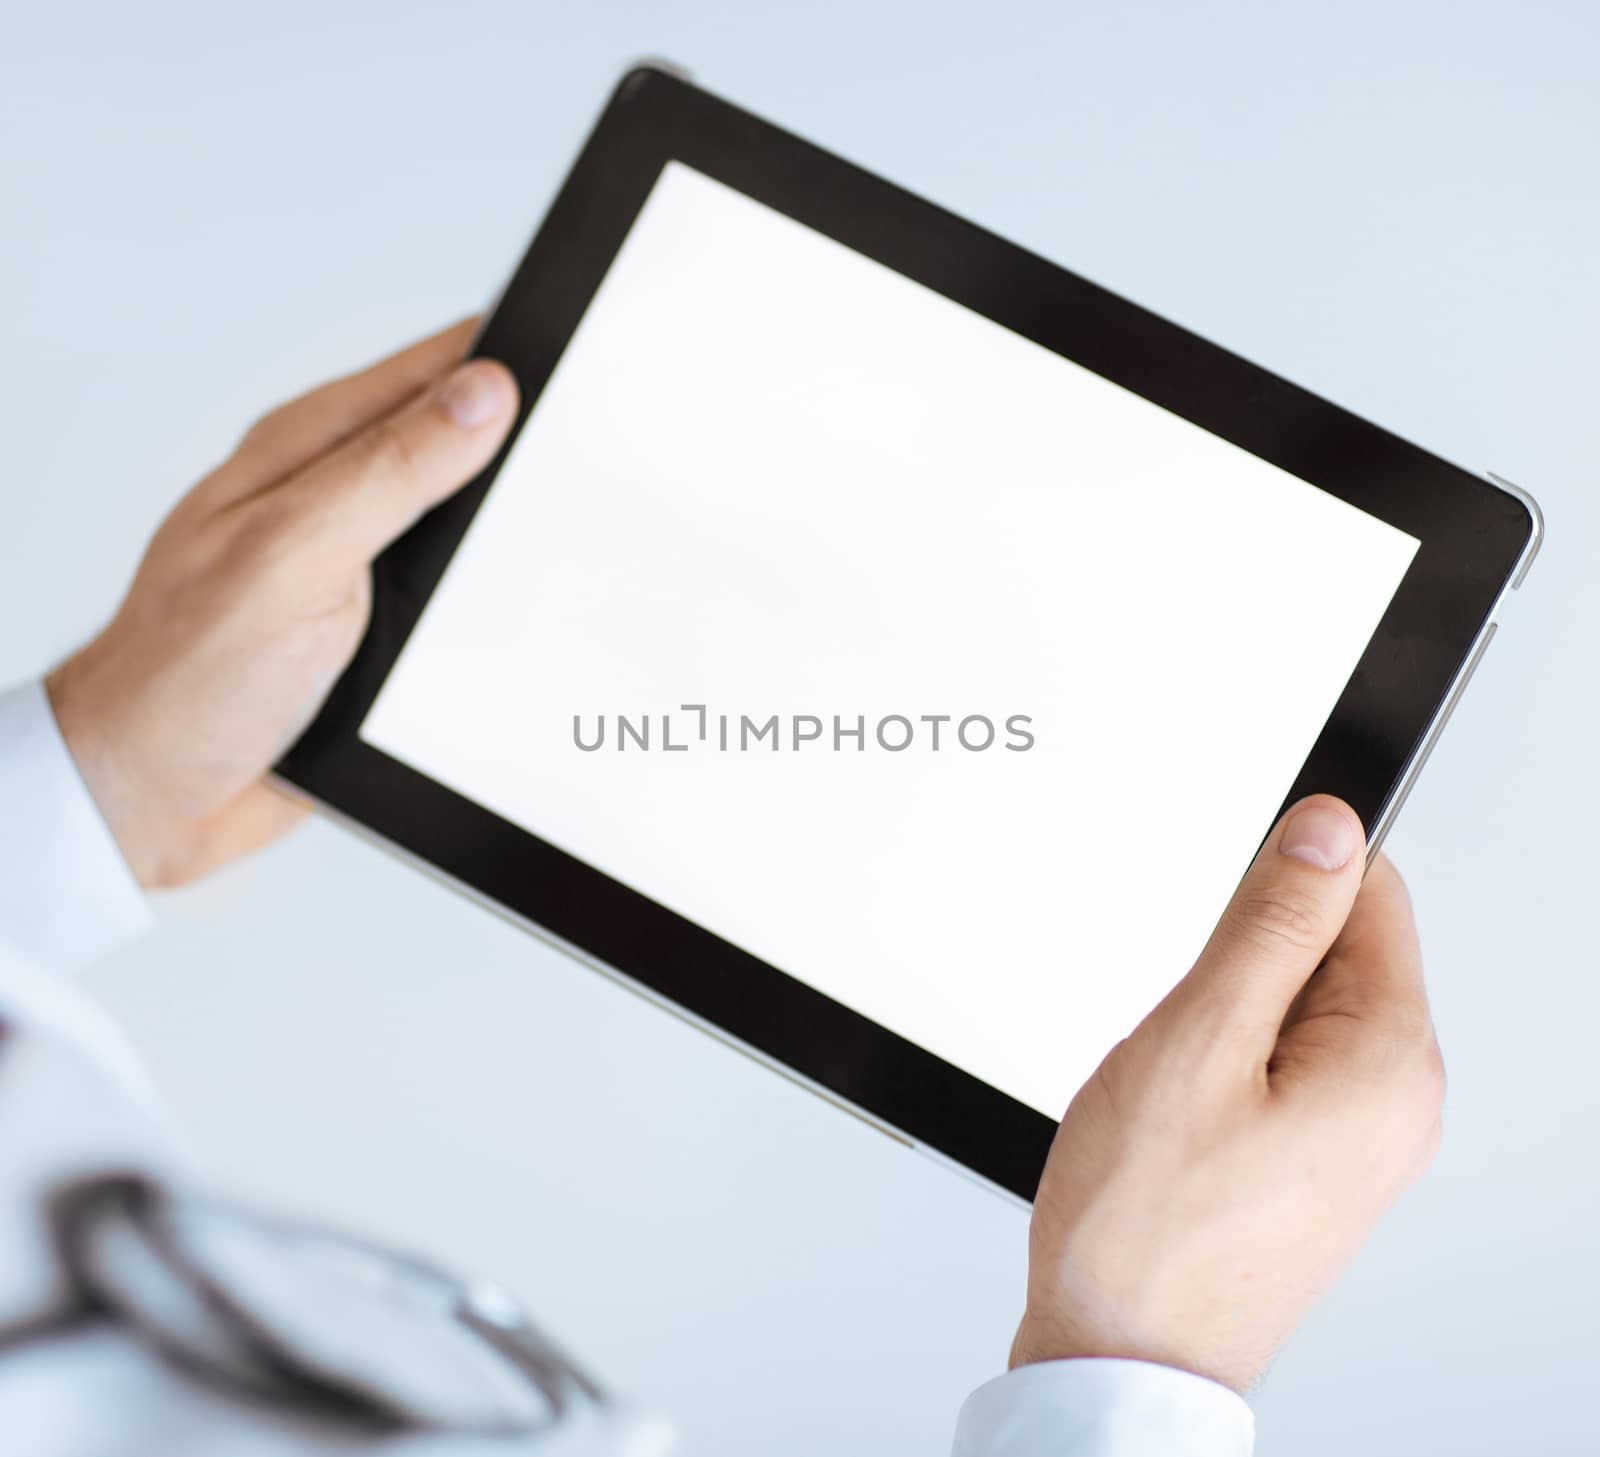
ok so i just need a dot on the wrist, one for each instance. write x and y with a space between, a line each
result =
1050 1339
149 836
1039 1339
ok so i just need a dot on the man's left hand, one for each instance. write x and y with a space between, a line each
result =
253 596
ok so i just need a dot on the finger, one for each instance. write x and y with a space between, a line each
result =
1281 922
1362 1026
296 433
1373 972
349 504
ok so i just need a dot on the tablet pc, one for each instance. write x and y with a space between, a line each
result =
855 599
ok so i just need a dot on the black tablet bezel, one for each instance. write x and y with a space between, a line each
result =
1473 535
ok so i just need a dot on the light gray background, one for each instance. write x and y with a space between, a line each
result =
207 207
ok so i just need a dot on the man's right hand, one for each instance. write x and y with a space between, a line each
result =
1228 1158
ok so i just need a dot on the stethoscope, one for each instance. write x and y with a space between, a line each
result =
292 1313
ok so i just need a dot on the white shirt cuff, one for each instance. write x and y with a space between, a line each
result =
1103 1408
66 894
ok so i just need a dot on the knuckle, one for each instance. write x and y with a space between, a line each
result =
1276 917
393 449
1415 1079
1409 1026
267 539
1402 891
1426 1122
264 433
1432 1141
1429 1073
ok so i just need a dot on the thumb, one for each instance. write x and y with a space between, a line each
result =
356 499
1281 922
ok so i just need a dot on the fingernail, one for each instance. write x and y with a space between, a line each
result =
476 393
1320 836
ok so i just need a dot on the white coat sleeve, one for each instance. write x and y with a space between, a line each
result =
1103 1408
66 894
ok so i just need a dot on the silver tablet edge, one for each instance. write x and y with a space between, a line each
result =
1469 666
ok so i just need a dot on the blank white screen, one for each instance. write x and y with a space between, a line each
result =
771 476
